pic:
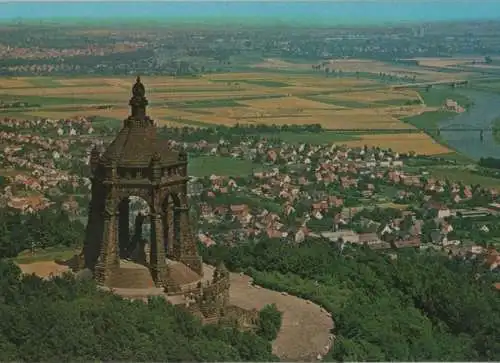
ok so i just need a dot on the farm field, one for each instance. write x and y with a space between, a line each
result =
421 143
376 67
251 97
446 62
226 99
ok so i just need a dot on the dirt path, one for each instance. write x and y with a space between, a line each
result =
306 326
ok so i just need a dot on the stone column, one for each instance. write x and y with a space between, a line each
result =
188 249
123 228
169 223
94 230
157 260
109 259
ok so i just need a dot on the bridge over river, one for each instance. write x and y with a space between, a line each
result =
471 132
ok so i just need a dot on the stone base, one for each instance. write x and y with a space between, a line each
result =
176 278
194 263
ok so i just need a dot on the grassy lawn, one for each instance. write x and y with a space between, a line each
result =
460 175
393 206
220 165
397 102
428 120
107 121
457 157
44 82
436 97
48 254
496 130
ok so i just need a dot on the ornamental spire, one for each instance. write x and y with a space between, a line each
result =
138 102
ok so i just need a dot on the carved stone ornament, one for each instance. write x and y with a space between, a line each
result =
156 156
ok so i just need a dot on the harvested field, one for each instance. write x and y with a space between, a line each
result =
63 91
286 103
81 81
226 94
8 83
486 66
328 83
372 96
445 62
330 119
279 64
420 143
246 97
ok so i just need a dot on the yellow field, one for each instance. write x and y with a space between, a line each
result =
420 143
244 98
446 62
15 82
291 103
372 96
62 92
226 99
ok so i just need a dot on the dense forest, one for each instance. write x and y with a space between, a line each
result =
413 306
408 306
66 319
71 320
47 228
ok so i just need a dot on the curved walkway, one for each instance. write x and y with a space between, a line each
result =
305 332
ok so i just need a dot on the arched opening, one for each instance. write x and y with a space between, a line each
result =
171 223
134 229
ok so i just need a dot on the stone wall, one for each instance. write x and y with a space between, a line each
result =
209 300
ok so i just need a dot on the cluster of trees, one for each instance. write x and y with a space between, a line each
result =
409 306
235 133
491 163
71 320
47 228
269 324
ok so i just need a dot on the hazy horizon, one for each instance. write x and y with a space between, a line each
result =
294 12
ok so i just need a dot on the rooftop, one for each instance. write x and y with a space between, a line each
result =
137 143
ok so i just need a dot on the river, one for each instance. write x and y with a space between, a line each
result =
485 110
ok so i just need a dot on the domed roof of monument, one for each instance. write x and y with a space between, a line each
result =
137 143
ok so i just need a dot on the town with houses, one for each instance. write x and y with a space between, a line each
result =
296 192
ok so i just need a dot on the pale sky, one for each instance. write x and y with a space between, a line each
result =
395 1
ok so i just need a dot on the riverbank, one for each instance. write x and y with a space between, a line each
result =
481 116
495 125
